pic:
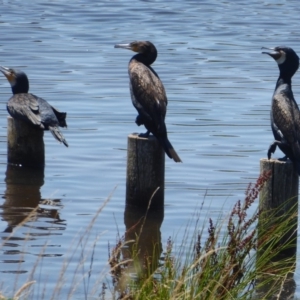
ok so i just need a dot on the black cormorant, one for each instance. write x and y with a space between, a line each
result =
148 94
285 115
30 108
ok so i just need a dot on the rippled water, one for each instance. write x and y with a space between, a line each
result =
219 88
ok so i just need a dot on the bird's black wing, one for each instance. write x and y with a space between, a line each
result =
25 107
286 117
148 94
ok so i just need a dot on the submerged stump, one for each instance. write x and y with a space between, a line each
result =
25 144
145 172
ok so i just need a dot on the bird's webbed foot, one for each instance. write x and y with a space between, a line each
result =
272 148
139 120
145 135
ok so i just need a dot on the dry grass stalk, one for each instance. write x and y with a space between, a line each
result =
223 268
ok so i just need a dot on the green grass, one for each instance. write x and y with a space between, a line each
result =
241 257
223 264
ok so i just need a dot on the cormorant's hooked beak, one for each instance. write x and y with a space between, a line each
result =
275 54
132 46
8 74
124 46
4 70
279 56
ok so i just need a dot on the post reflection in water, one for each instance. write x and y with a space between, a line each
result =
288 288
22 196
143 227
281 289
23 206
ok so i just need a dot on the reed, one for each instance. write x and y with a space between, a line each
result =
81 276
222 264
218 260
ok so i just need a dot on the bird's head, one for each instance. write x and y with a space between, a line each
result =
137 46
146 50
17 79
286 58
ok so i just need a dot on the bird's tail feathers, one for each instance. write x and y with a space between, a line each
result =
58 135
170 151
61 117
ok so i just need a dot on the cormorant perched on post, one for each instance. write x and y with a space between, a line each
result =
30 108
285 115
148 94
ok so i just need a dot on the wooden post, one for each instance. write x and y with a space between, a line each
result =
145 172
278 204
25 144
280 193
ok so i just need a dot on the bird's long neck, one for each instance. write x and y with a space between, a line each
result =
284 80
146 58
20 88
286 72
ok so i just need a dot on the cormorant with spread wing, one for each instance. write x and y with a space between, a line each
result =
30 108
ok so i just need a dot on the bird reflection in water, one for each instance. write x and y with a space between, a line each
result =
23 198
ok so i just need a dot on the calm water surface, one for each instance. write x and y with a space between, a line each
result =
219 88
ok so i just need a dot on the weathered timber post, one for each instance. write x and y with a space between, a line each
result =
145 172
277 230
279 200
25 144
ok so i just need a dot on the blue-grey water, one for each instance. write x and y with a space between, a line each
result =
219 87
